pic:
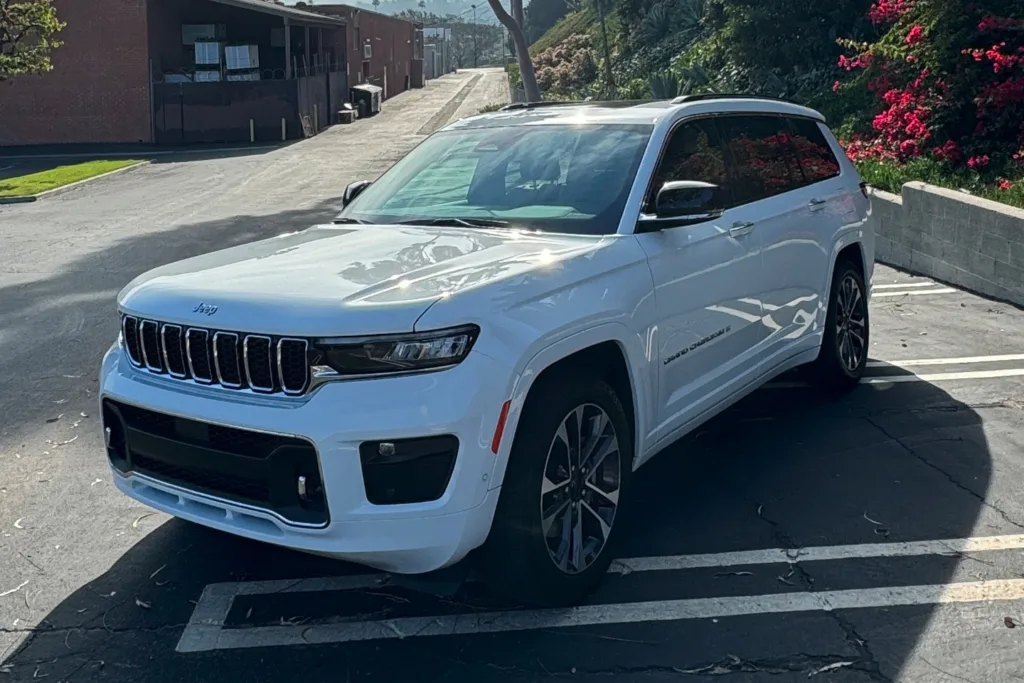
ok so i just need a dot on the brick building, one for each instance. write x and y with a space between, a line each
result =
393 46
128 72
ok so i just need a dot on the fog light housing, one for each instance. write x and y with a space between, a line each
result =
402 471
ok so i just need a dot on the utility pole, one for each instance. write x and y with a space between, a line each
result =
476 52
504 45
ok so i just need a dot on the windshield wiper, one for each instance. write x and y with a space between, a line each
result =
345 220
455 222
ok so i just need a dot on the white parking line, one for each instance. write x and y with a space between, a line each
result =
899 379
914 292
205 630
621 613
905 285
954 546
963 360
944 376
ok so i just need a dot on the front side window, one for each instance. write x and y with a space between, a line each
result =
761 154
572 178
693 153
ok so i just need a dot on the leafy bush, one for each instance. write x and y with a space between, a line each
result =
568 68
664 85
944 82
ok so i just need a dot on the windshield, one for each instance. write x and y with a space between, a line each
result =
556 178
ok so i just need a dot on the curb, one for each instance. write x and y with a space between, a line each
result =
26 199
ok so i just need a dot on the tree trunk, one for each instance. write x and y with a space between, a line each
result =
517 12
515 29
609 83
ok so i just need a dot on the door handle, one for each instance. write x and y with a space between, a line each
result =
740 228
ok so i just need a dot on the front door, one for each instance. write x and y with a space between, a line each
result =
706 280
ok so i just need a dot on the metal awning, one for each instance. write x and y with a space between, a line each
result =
297 16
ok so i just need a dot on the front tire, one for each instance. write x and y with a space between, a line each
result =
844 348
560 507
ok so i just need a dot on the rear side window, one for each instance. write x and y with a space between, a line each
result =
762 161
812 149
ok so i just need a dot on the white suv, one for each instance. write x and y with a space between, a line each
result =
494 335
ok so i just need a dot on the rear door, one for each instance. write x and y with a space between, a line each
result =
767 180
797 258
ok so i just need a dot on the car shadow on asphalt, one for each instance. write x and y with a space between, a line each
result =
37 160
782 469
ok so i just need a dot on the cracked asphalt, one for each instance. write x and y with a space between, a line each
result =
94 587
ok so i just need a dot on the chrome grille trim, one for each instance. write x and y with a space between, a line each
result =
270 363
216 360
280 369
163 349
206 350
202 363
137 362
142 344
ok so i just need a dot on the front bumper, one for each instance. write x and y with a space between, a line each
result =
464 401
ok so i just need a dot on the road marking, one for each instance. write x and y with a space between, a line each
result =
963 360
944 376
954 546
899 379
904 285
621 613
205 630
915 292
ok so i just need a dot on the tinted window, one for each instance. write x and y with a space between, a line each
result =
761 155
812 149
571 178
694 152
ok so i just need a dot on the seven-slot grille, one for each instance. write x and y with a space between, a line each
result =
264 364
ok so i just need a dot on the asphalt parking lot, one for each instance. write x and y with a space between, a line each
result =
879 537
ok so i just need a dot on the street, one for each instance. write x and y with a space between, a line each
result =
879 537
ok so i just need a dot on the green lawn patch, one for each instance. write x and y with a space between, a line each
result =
51 179
1008 189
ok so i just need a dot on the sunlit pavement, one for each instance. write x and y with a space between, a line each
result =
875 538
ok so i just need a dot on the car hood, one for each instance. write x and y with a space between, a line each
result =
335 280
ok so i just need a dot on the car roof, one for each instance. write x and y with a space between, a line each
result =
625 112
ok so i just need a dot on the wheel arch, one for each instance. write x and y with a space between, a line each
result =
607 351
850 246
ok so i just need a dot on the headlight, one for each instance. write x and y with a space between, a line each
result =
414 352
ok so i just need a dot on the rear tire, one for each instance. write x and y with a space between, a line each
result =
557 521
846 342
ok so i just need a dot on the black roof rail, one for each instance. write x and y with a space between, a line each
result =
699 97
542 103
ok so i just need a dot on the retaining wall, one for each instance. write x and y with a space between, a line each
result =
953 237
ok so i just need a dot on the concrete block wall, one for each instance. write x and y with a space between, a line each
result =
953 237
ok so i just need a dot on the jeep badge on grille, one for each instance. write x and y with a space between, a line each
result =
205 309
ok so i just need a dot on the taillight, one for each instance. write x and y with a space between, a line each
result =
864 190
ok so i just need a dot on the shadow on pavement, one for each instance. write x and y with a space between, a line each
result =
73 313
898 462
58 155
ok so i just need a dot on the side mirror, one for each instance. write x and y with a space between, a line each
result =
687 199
354 190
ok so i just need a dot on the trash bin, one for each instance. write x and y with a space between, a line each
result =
367 98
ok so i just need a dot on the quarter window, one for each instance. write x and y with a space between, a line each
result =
762 162
812 149
694 152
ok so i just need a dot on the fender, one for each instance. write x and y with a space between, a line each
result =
637 351
855 234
